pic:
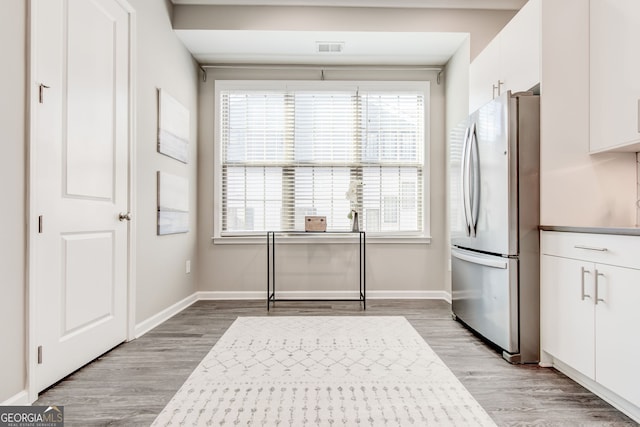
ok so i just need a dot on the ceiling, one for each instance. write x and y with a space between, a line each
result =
359 48
447 4
299 47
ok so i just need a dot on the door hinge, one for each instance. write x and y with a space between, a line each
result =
41 89
40 224
39 355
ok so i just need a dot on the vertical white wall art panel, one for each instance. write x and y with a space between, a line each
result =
173 127
173 204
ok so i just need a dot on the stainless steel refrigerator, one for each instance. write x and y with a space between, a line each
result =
494 160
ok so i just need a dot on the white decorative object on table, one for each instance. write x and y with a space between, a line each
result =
355 226
352 197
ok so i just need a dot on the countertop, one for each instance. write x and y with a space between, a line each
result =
626 231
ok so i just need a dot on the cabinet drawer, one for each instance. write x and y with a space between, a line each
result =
609 249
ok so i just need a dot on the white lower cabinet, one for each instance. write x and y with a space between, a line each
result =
590 308
617 331
567 319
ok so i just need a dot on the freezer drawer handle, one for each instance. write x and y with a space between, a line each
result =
591 248
480 260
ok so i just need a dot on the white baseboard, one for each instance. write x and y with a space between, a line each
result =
442 295
231 295
20 399
604 393
261 295
155 320
146 325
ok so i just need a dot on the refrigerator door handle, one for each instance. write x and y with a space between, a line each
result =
474 181
467 182
464 182
493 262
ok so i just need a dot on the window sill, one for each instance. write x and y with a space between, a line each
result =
319 238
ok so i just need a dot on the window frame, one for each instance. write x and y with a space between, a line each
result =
372 237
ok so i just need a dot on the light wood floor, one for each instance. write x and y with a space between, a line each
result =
131 384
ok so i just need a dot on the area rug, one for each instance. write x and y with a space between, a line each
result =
322 371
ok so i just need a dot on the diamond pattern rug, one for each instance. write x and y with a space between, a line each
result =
322 371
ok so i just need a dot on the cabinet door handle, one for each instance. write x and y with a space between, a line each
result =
591 248
638 115
496 88
583 271
598 299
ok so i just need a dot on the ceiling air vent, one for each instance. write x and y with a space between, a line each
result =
329 47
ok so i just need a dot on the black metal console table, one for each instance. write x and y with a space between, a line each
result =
271 265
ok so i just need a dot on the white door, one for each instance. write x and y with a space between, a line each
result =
617 320
614 66
487 168
568 316
484 73
80 54
520 49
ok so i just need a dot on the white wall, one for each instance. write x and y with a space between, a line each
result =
457 85
482 24
162 62
457 109
413 268
12 188
576 188
638 190
390 267
161 280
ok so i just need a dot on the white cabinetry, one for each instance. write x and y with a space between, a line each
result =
615 75
617 333
590 309
511 61
484 76
566 314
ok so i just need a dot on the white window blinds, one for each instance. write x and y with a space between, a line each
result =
290 152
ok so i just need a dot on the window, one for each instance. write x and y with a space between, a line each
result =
286 150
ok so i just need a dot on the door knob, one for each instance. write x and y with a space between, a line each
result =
124 216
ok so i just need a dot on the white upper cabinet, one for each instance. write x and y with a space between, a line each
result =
615 75
511 61
483 76
520 49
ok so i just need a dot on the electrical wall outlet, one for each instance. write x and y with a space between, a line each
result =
188 266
